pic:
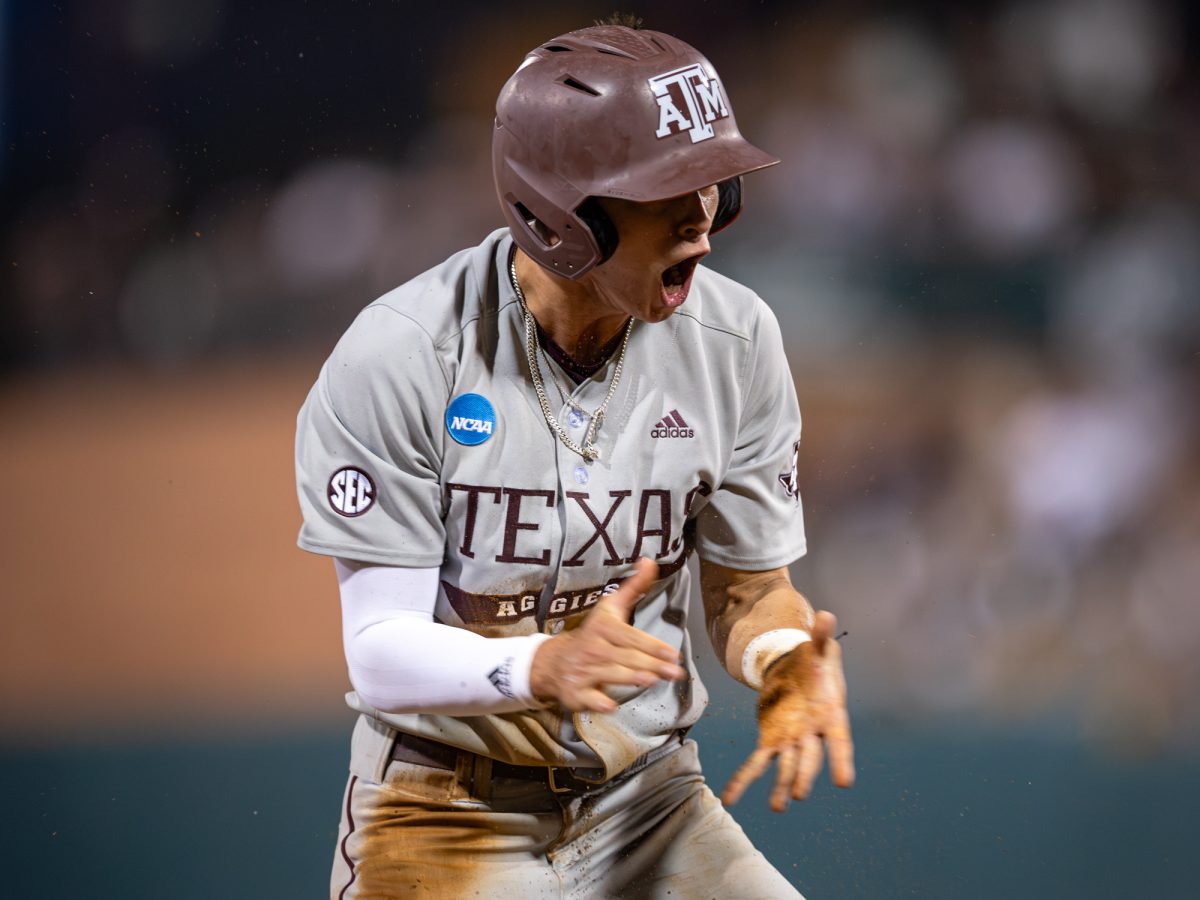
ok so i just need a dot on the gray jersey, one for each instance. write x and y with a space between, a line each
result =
422 444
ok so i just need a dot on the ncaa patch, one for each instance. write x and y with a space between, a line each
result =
470 419
351 492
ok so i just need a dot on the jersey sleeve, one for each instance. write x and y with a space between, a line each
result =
754 519
369 446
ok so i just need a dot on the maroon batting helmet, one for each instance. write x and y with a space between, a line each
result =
610 111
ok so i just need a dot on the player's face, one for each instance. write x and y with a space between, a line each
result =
659 245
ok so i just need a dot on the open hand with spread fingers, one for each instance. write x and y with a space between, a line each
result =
801 714
573 668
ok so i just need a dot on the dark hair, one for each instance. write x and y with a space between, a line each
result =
624 19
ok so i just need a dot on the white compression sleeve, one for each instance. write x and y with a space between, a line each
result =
401 661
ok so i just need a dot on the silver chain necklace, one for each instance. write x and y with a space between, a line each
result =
533 347
564 395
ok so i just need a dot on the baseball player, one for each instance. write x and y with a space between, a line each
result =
512 458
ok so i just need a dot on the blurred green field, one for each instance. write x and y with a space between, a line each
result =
943 814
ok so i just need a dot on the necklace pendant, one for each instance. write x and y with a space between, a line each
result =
591 453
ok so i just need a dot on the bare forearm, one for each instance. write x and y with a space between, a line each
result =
740 606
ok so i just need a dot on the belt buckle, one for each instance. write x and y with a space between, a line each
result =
573 784
554 787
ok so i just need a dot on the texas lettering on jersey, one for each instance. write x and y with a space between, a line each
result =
525 510
526 515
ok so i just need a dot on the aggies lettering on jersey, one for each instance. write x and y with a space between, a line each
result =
672 426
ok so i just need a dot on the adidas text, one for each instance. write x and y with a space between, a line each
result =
672 433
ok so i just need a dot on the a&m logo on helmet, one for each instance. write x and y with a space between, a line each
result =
690 100
351 492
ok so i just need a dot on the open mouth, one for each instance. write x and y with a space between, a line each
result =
677 280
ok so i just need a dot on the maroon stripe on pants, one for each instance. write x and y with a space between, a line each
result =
350 831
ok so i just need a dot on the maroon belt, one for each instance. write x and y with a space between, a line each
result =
423 752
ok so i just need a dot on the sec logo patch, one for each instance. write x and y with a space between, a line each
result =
351 492
470 419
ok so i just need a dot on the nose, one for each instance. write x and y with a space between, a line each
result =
696 213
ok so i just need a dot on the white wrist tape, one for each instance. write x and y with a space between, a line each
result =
766 648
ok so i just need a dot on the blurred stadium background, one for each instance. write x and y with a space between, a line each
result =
983 246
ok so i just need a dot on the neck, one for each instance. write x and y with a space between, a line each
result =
566 311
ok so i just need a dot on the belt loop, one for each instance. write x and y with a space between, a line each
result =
481 777
464 770
371 749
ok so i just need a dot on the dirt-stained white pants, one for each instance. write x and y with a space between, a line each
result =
654 832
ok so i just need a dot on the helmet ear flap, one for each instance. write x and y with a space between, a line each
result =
592 214
729 203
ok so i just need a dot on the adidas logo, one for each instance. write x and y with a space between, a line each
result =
672 426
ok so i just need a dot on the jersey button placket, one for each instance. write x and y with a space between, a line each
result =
565 483
573 475
577 421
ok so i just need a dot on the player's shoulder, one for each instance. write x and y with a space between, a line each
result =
721 306
442 301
